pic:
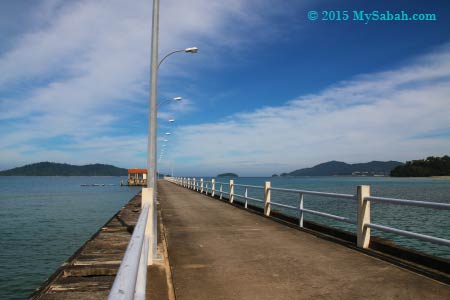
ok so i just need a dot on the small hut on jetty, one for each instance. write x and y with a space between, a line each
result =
137 177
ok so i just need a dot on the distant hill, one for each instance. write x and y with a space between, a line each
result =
333 168
228 175
431 166
57 169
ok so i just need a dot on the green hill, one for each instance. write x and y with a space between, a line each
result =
431 166
57 169
333 168
228 175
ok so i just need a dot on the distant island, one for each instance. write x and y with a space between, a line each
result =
228 175
335 168
431 166
58 169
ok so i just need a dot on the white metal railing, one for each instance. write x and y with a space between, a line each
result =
419 236
131 278
362 198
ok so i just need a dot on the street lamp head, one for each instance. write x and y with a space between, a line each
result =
177 99
171 120
165 140
168 133
191 50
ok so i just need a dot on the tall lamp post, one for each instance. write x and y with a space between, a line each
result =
150 192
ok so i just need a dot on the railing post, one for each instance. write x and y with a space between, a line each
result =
213 187
300 211
194 186
267 198
201 185
231 191
363 231
220 190
245 196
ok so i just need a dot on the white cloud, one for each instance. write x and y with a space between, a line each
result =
81 70
382 116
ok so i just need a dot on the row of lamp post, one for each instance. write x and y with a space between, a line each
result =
133 285
151 191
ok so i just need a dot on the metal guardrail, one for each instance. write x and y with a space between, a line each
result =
419 236
415 235
131 279
324 194
362 198
435 205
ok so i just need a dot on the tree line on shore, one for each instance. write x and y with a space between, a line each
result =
431 166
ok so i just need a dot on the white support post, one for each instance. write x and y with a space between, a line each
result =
231 191
194 186
213 187
201 186
245 196
147 200
267 198
300 211
363 231
220 191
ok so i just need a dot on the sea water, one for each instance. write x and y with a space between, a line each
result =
44 220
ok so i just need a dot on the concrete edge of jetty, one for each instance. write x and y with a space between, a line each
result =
90 271
101 269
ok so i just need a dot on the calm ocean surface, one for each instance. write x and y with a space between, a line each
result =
44 220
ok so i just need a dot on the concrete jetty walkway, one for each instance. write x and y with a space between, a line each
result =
218 251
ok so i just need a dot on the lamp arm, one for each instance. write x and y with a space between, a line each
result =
173 52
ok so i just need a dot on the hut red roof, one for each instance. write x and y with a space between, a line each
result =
139 171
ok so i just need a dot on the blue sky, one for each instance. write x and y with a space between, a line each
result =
268 92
